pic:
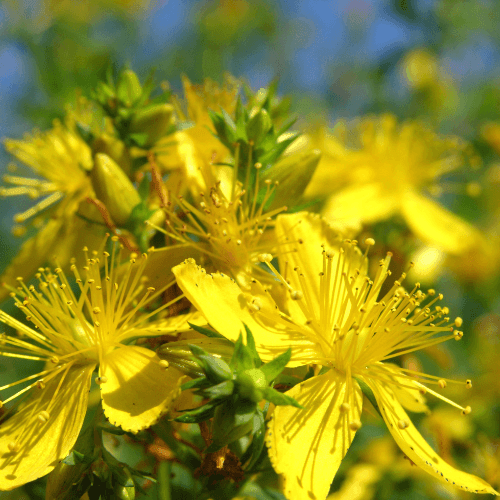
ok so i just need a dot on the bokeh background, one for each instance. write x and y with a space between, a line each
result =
433 60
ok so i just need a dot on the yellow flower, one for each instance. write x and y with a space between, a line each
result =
229 229
333 319
377 169
62 160
194 150
73 335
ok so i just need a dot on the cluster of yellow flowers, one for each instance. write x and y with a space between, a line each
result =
190 214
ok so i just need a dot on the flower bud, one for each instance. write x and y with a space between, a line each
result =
251 384
293 173
179 356
153 121
232 420
114 188
129 87
115 149
258 126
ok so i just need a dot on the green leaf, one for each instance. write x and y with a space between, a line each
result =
200 414
252 348
75 457
139 139
219 391
207 332
276 366
254 451
143 188
280 399
242 359
232 420
288 124
196 383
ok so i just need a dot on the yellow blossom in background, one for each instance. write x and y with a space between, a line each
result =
226 227
420 68
191 152
61 161
375 168
333 319
360 483
74 334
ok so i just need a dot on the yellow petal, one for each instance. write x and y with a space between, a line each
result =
307 446
309 234
61 238
179 152
367 203
33 253
437 226
359 483
409 397
169 326
417 449
43 444
136 390
227 308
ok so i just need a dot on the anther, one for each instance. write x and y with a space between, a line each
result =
458 334
43 416
355 425
345 407
403 424
256 304
369 242
101 380
265 257
442 383
164 364
458 322
13 447
466 410
54 359
296 295
96 310
468 384
40 384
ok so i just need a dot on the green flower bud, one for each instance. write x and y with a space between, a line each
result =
129 87
293 174
232 420
179 356
154 121
258 126
216 369
114 188
252 384
115 149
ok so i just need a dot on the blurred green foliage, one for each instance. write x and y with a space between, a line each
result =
433 60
